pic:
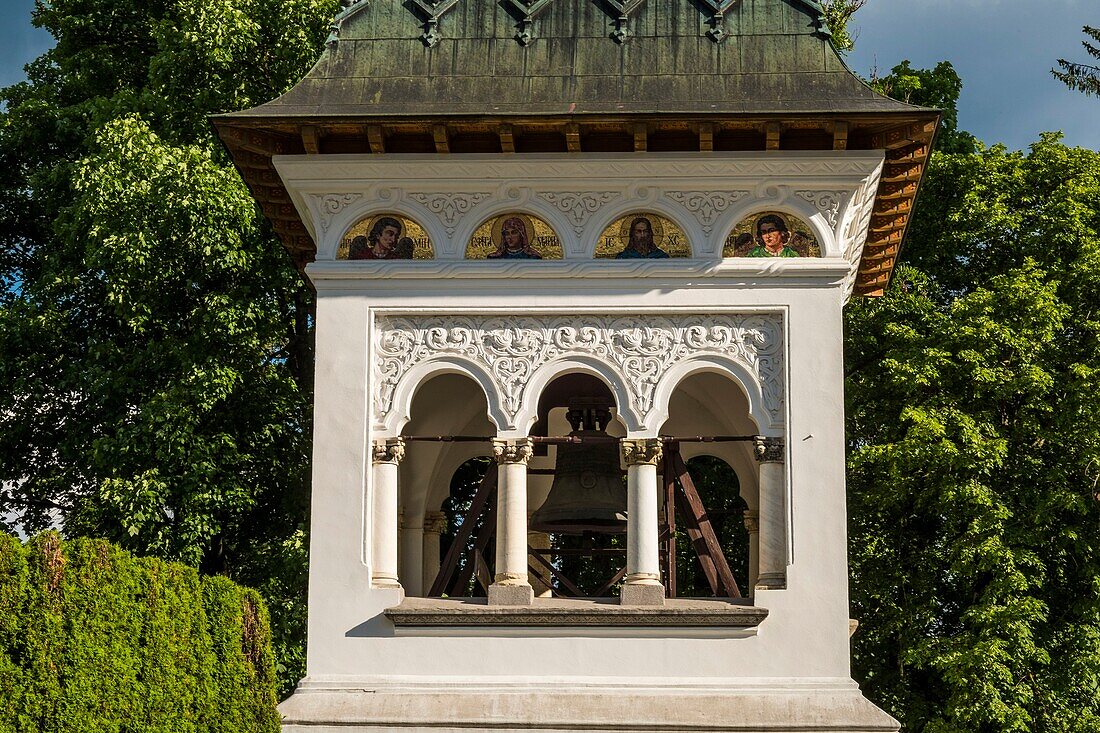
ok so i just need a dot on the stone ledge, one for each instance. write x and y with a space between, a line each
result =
677 612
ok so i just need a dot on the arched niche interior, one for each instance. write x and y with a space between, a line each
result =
585 563
724 475
446 404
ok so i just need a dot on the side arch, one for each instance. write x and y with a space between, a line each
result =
576 364
767 421
391 424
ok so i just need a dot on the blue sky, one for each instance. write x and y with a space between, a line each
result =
1003 49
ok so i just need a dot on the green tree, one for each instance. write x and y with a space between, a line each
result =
938 88
837 15
156 339
1082 77
974 447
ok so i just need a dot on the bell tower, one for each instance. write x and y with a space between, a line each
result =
580 270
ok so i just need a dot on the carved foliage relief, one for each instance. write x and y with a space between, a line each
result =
639 351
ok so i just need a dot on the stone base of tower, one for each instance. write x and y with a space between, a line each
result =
438 706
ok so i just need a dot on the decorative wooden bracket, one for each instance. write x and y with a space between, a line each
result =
621 12
528 9
718 32
432 11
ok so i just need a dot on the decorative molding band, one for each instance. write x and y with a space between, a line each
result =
634 352
375 274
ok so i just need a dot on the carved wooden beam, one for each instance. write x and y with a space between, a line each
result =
442 140
377 142
772 131
256 142
507 141
706 137
840 135
573 137
311 139
903 135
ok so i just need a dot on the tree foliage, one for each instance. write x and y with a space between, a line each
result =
156 339
1082 77
837 15
974 451
938 88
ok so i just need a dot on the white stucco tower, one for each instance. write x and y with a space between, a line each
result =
534 225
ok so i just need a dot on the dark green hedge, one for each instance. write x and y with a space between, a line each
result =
95 640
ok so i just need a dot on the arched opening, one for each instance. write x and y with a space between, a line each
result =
577 491
710 488
443 405
719 490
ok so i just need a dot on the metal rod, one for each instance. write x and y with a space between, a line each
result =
573 439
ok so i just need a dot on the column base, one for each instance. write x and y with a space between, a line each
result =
387 582
771 582
642 594
519 594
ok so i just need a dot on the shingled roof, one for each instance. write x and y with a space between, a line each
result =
774 57
583 75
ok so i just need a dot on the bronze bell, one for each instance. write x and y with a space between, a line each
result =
588 493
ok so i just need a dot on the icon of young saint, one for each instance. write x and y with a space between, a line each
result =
515 241
773 238
383 242
641 245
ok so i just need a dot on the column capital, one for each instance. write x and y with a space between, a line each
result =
751 517
435 522
768 450
638 451
390 450
516 450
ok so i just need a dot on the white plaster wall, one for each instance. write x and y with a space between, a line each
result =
805 637
806 632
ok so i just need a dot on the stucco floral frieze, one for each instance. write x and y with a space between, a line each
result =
635 351
706 206
449 207
329 205
828 203
580 206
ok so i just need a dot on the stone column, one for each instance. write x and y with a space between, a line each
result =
642 585
434 524
752 526
772 553
386 455
510 586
